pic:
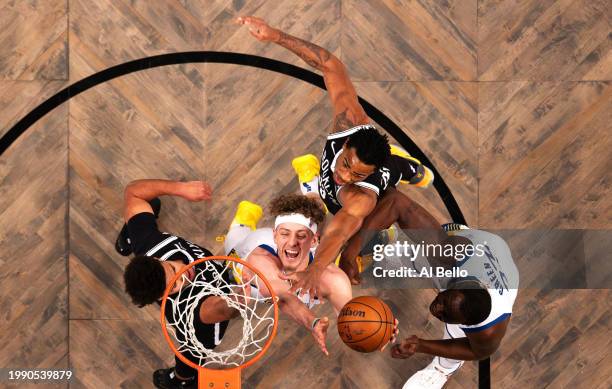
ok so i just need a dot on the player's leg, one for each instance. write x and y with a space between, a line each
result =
393 207
244 222
180 376
440 369
412 169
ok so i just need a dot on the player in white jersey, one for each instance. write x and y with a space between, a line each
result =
285 249
476 309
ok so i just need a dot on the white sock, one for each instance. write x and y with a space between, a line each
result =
311 186
235 235
449 365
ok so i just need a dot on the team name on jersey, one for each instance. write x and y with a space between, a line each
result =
197 250
324 185
497 278
385 175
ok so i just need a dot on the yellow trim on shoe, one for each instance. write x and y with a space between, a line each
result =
396 150
427 180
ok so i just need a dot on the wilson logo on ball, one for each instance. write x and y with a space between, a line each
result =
351 312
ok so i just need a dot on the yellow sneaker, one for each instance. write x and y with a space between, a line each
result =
248 214
425 178
400 152
428 178
306 166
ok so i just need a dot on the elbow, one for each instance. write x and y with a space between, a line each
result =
482 356
128 191
333 65
484 353
282 303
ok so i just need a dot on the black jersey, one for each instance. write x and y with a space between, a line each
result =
396 169
146 239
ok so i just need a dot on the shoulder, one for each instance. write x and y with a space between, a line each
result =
144 233
357 200
349 118
490 333
260 256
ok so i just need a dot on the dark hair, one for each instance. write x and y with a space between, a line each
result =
371 147
145 280
294 203
476 305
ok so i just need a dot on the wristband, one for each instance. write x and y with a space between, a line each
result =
314 322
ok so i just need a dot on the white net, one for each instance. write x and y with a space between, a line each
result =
256 313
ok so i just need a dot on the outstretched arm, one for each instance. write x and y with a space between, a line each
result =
358 204
347 110
291 306
476 346
138 193
337 288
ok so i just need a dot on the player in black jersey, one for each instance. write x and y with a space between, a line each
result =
158 257
357 164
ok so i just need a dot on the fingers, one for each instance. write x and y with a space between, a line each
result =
196 191
395 330
405 349
206 191
320 332
243 20
312 293
294 289
324 321
249 20
384 347
294 281
397 353
288 277
394 335
323 346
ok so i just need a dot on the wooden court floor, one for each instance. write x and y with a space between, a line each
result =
511 100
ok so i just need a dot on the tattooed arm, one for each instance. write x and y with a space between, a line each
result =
347 110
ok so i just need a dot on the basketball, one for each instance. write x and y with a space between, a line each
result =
365 324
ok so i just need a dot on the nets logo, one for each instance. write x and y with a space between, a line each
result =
385 174
351 312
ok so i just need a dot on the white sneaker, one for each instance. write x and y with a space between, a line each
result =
433 376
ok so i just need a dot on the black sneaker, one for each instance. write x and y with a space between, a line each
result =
122 244
166 379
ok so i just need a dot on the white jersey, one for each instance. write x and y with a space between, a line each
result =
264 238
494 268
257 238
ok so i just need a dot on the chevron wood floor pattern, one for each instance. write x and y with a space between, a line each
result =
509 99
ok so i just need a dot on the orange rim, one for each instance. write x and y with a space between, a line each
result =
163 316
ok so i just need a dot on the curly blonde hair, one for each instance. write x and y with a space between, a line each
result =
294 203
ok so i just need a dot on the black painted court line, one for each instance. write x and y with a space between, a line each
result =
229 58
484 374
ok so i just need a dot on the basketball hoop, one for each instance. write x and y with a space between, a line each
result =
259 315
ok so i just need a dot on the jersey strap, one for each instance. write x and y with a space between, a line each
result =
499 319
